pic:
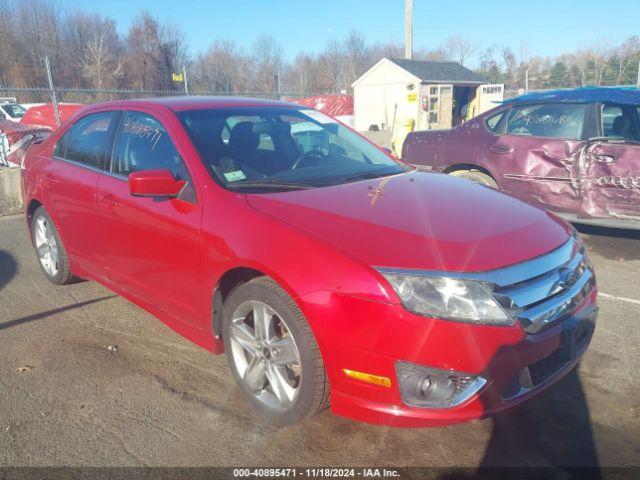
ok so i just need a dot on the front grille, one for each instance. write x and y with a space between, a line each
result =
547 367
577 334
548 289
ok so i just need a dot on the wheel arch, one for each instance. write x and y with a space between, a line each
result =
32 206
229 280
468 166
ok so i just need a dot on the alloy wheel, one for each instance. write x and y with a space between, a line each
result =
46 246
265 354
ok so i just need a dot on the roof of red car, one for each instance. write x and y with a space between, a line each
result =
196 102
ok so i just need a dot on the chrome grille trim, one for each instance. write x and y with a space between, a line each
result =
538 292
557 307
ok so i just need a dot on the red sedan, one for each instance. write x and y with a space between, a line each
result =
329 272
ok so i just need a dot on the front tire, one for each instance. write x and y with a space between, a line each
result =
475 176
52 256
273 354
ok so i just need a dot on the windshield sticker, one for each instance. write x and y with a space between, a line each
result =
235 176
319 117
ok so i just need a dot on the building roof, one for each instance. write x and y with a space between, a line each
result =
445 72
623 95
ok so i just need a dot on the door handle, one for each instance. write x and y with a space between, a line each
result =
107 201
500 149
602 158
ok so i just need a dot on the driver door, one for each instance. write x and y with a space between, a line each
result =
613 168
152 244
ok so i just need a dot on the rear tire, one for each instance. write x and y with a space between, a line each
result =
476 176
276 362
52 256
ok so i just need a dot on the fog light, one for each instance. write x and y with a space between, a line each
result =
432 388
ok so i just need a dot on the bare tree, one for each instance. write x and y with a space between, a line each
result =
438 54
224 68
302 75
267 55
101 62
332 67
460 48
155 51
510 66
356 56
627 52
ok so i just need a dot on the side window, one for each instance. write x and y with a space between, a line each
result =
620 121
610 113
493 121
87 141
144 144
559 120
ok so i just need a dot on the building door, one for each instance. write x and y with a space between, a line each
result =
437 106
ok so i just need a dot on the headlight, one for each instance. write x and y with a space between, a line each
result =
448 298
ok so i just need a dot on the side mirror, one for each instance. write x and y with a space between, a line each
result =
154 183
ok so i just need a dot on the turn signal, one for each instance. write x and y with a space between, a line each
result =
368 378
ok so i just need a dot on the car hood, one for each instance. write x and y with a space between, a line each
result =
419 220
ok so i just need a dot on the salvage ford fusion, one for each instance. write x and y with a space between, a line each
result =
328 272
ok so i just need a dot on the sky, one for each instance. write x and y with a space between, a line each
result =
543 27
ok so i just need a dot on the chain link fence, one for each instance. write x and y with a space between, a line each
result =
87 96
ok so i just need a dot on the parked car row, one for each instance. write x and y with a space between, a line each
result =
574 152
329 272
20 127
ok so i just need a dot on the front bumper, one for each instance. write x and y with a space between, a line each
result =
516 364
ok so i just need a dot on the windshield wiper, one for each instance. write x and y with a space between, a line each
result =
365 176
271 185
614 140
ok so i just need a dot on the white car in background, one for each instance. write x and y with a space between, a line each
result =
10 109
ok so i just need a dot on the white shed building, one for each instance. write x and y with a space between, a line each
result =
420 95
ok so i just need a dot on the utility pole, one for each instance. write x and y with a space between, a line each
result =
638 81
54 100
184 77
408 29
526 80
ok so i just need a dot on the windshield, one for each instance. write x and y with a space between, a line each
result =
14 110
267 148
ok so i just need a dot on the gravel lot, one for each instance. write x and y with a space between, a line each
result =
67 398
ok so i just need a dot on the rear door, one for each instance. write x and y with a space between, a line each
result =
613 168
534 150
152 244
79 159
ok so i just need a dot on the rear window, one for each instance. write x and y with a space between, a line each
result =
494 120
87 140
561 120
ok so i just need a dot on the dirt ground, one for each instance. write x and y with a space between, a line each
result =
88 379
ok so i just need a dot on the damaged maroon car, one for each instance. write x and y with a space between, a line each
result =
575 152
